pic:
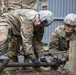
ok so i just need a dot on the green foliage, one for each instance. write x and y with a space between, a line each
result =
7 73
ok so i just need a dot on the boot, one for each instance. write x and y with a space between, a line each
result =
42 68
26 60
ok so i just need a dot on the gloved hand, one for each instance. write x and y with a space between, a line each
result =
57 63
36 62
1 60
43 60
66 58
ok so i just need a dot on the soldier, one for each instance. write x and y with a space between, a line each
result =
63 34
23 4
21 23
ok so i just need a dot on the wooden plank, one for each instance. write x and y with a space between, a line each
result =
72 56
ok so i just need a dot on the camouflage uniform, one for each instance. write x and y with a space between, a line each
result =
31 4
20 24
0 7
23 4
19 4
16 43
59 40
15 22
3 8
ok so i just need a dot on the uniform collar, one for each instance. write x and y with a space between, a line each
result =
68 37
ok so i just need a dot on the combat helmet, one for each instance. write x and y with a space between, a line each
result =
46 17
70 19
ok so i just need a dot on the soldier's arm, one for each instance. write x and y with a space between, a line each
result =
38 35
27 36
54 41
3 8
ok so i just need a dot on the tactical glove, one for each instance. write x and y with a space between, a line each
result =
43 60
57 61
36 62
56 64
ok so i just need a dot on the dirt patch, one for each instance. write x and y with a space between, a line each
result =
53 72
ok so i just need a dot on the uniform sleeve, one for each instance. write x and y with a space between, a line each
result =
26 34
38 35
3 8
54 41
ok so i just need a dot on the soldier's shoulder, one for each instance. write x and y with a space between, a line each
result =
28 13
59 28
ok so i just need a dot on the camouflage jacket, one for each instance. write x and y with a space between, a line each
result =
31 4
3 8
21 23
19 4
59 40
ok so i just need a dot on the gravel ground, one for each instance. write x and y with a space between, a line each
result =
37 73
23 72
